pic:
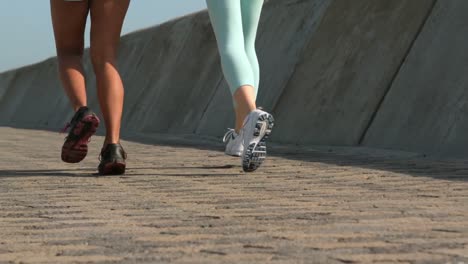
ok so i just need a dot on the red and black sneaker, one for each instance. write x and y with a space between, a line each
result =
82 126
112 159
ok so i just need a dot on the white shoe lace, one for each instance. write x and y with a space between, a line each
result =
231 133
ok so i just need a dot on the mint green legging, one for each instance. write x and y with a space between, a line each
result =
235 23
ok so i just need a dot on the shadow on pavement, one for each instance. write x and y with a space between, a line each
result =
90 172
48 173
413 164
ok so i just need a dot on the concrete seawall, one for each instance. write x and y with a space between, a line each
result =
387 74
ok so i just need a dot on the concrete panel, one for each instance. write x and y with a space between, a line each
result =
427 107
6 79
35 97
183 77
16 92
346 70
285 28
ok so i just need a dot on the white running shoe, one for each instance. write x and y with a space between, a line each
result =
234 143
257 128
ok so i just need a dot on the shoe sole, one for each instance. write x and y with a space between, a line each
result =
114 168
234 154
74 151
255 153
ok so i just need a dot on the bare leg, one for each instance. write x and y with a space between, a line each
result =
69 21
107 18
245 103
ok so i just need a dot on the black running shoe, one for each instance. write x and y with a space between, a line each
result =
112 159
82 126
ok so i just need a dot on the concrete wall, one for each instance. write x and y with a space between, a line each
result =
426 108
377 73
346 69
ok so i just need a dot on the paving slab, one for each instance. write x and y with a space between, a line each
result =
183 201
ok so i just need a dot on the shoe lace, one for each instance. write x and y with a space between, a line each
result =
65 129
230 134
68 125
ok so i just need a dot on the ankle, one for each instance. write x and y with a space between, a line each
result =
78 107
110 141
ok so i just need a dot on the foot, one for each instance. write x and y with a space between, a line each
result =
234 143
82 126
112 160
257 128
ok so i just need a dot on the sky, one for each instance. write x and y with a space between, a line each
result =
27 36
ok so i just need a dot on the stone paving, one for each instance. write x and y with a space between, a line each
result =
183 201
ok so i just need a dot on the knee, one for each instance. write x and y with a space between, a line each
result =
249 47
231 52
101 58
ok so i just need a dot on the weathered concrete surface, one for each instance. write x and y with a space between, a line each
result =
192 204
175 77
34 98
5 80
426 109
346 69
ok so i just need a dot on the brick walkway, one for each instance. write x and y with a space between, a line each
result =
192 204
